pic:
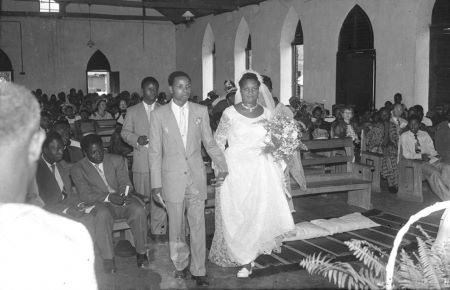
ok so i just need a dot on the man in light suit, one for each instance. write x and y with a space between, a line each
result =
101 179
178 175
135 132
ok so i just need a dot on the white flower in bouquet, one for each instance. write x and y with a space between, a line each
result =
283 137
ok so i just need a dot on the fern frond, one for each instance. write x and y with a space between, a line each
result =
365 252
428 263
409 274
428 239
341 274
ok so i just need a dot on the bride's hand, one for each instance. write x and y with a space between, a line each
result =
220 178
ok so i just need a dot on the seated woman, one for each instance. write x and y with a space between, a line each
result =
338 129
376 135
350 129
100 112
319 129
122 111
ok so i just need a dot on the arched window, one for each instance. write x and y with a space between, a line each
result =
208 59
355 71
242 49
6 69
291 57
297 62
248 53
439 81
98 73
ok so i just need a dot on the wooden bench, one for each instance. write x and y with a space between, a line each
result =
356 179
105 128
372 159
409 179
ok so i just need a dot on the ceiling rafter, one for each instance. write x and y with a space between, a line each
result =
225 5
171 10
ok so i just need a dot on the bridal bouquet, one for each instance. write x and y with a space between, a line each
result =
283 137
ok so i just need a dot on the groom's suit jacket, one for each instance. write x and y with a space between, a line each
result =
173 167
137 124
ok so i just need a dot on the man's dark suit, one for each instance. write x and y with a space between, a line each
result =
91 188
72 154
51 195
49 190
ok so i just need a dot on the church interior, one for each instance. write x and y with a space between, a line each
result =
356 55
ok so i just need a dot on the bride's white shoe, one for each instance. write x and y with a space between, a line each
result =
244 272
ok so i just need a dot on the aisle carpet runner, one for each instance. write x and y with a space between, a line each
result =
383 236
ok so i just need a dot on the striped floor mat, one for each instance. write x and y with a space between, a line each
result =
383 236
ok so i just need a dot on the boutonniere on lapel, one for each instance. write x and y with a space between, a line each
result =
198 121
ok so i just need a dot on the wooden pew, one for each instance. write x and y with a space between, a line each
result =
105 128
356 179
372 159
409 179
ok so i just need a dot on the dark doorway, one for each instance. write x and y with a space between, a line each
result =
99 77
439 83
6 69
98 62
355 66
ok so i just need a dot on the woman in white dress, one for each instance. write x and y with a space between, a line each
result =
252 211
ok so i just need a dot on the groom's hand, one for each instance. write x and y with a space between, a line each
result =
221 177
157 196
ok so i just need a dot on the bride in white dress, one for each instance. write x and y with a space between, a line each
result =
252 211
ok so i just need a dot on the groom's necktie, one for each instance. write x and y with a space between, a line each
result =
183 125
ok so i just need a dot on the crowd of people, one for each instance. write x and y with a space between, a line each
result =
78 179
74 115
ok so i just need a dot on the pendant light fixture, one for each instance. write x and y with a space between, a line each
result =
90 42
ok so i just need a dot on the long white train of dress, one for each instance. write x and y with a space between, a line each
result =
252 212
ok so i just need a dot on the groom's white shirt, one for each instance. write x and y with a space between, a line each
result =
178 116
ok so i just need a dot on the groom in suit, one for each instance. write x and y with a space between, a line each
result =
178 176
135 132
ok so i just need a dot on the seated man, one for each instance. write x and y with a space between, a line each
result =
417 144
53 179
102 179
72 152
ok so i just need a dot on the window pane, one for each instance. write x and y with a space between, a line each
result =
54 7
44 7
299 70
48 6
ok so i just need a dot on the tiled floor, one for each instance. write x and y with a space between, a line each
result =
160 275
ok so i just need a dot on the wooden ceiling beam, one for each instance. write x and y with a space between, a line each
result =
82 15
160 4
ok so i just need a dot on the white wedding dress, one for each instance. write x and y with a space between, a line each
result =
252 212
